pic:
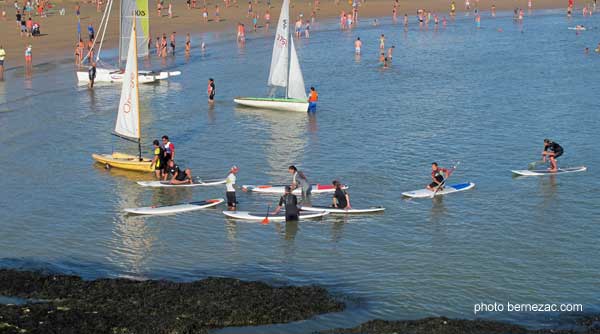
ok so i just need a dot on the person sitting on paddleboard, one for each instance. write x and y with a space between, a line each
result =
179 176
299 181
438 175
230 186
341 199
551 151
290 201
158 160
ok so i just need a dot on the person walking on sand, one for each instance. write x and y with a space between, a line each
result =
205 14
217 15
2 56
170 10
211 91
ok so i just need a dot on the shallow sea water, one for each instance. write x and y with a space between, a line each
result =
484 98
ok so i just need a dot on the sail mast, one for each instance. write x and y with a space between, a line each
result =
137 91
289 52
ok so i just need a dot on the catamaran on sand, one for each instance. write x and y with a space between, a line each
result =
130 10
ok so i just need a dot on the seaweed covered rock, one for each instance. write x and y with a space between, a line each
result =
70 304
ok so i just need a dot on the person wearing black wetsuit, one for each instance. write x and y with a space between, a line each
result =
341 199
179 176
438 175
290 201
551 151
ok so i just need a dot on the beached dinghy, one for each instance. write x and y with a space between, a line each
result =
128 119
131 10
285 72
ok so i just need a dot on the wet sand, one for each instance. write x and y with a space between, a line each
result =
59 33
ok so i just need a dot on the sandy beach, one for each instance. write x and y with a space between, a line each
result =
59 33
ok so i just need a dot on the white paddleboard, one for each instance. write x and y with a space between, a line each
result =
170 209
195 183
577 28
280 190
334 211
426 193
540 172
256 216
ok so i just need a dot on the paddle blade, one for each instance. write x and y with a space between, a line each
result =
265 221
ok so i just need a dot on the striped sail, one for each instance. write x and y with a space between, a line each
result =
138 10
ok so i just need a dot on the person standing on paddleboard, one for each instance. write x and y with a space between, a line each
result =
438 175
179 176
299 180
230 188
341 199
551 151
290 201
158 160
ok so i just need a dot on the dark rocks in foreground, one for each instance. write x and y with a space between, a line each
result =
72 305
443 325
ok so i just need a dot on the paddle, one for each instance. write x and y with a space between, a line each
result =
532 165
266 220
445 179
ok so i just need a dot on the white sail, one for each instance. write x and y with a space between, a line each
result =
138 10
278 76
128 117
296 88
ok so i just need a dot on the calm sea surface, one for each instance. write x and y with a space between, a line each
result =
482 97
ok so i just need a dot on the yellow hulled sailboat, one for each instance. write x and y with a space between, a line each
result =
128 117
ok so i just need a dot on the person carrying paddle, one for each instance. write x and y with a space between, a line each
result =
230 186
299 180
341 199
179 176
551 151
438 175
290 201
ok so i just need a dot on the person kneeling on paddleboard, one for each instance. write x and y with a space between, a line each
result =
341 199
230 186
179 176
438 175
551 151
290 201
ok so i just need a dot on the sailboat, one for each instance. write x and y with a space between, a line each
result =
128 118
285 71
131 10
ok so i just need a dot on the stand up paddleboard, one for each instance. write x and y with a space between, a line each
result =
166 184
336 211
170 209
426 193
577 28
280 190
255 216
541 172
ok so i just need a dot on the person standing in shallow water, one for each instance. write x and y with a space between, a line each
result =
92 74
299 180
211 90
312 100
